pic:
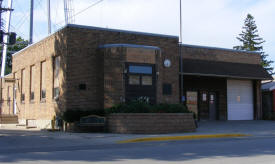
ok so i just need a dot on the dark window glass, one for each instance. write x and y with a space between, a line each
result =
140 69
56 93
32 95
23 97
43 94
167 89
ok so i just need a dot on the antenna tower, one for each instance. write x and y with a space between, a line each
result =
68 11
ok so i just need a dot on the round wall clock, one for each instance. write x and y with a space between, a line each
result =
167 63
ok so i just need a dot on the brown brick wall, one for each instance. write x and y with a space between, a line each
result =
258 108
113 67
150 123
7 96
204 53
44 50
82 64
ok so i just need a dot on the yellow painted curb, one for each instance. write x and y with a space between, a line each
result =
190 137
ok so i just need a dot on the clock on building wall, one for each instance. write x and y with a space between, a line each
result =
167 63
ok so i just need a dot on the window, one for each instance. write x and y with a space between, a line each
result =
146 80
134 80
16 85
56 72
32 83
43 80
8 95
140 75
140 69
23 87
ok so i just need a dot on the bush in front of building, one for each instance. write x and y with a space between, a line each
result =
132 107
143 107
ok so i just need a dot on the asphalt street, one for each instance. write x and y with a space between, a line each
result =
236 150
21 146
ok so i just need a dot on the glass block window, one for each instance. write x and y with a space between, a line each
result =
32 83
23 83
43 80
134 80
56 72
146 80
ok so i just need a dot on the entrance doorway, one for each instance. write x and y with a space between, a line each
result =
212 106
140 82
208 109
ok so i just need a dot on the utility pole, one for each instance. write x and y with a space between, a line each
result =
31 22
1 15
181 62
49 17
66 12
7 30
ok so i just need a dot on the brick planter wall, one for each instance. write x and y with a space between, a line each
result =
150 123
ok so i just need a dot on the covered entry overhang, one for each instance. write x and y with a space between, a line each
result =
225 91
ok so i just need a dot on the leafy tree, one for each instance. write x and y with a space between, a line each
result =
251 41
20 44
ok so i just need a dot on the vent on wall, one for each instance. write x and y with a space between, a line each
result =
82 87
167 89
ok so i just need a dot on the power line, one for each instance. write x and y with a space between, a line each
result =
88 7
92 5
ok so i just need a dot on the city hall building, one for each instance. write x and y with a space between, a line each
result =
86 68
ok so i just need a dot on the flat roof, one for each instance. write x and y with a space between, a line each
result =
217 48
129 45
118 30
98 28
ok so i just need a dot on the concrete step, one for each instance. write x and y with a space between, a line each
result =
11 126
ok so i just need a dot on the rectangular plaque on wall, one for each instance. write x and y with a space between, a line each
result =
192 101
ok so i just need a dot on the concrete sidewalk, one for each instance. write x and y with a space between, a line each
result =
12 138
255 127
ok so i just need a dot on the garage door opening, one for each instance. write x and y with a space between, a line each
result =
240 100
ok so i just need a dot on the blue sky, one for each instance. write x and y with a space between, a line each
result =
205 22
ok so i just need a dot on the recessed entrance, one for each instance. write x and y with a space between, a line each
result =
140 82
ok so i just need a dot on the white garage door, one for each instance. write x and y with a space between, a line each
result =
239 100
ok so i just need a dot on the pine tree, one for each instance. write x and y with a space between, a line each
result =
251 41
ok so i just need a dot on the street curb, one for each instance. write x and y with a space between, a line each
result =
190 137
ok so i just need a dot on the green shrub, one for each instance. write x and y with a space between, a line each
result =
76 114
131 107
142 107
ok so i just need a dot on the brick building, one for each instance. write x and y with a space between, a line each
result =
85 68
